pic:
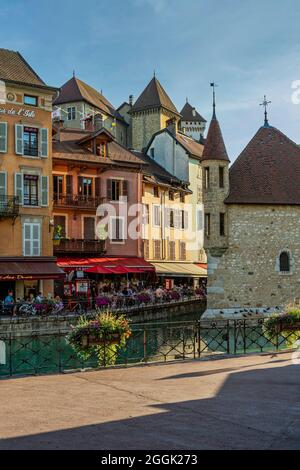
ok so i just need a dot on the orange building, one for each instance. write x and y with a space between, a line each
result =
26 252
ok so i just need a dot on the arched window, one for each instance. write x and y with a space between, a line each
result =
284 262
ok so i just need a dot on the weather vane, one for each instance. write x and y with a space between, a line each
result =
265 104
214 85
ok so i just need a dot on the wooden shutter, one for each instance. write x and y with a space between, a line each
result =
3 137
31 240
98 187
125 188
19 186
89 228
186 220
69 185
3 183
19 143
109 189
44 142
44 191
167 217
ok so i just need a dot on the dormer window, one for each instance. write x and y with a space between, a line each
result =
30 100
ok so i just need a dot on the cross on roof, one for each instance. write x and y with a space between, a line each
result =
265 104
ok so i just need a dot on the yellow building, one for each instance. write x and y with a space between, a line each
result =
26 261
165 226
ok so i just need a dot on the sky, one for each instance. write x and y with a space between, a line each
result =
249 48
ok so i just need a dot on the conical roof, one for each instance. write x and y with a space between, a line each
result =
267 171
154 96
214 147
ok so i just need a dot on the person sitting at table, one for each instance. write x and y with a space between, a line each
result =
9 303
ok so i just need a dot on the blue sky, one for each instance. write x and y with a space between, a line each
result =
250 48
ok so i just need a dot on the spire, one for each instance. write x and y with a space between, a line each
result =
214 147
214 85
265 104
73 73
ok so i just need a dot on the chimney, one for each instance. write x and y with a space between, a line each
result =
131 99
98 122
172 126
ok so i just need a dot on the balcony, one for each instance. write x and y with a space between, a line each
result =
9 207
77 201
74 246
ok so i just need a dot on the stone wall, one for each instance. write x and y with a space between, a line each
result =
144 125
247 274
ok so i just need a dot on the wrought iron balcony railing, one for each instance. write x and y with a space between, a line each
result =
77 201
79 246
9 206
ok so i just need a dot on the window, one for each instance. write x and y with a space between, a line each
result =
182 251
31 239
30 100
57 187
207 225
85 186
60 220
184 220
145 214
146 249
172 250
221 177
284 262
171 195
156 216
117 229
116 189
71 113
222 224
207 178
89 228
172 221
30 197
182 197
30 141
155 191
157 249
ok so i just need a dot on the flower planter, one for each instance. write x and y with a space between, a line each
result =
286 326
92 340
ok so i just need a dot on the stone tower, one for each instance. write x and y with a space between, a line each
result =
151 113
191 122
215 170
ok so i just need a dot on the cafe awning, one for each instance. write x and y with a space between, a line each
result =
28 268
179 270
114 265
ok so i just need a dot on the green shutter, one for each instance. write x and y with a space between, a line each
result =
44 142
19 186
44 191
3 189
19 145
3 137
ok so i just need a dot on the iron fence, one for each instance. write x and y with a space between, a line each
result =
42 352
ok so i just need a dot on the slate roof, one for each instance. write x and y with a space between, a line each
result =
214 148
187 114
77 90
14 68
154 96
267 171
190 145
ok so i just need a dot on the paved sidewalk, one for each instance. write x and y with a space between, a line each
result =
250 402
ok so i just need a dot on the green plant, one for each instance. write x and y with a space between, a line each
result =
99 336
285 324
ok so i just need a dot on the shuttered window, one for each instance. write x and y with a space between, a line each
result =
157 249
44 191
3 184
172 250
19 143
44 142
3 137
182 251
19 187
156 216
117 229
146 249
31 239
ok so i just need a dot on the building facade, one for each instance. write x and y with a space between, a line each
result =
252 230
26 262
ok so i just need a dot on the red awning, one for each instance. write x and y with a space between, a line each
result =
118 265
98 270
42 267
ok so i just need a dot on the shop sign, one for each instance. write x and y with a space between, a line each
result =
14 277
22 112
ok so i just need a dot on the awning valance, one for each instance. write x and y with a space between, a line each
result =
17 269
179 269
118 265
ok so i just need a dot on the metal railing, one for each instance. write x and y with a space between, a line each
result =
77 201
9 206
40 352
79 246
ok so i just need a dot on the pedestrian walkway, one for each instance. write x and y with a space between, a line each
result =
248 402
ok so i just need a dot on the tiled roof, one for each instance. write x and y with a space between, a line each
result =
267 171
154 96
188 113
62 145
214 148
77 90
13 67
191 146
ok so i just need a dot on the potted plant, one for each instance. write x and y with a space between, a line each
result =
103 335
57 235
286 324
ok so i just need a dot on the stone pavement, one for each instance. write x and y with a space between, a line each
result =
249 402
